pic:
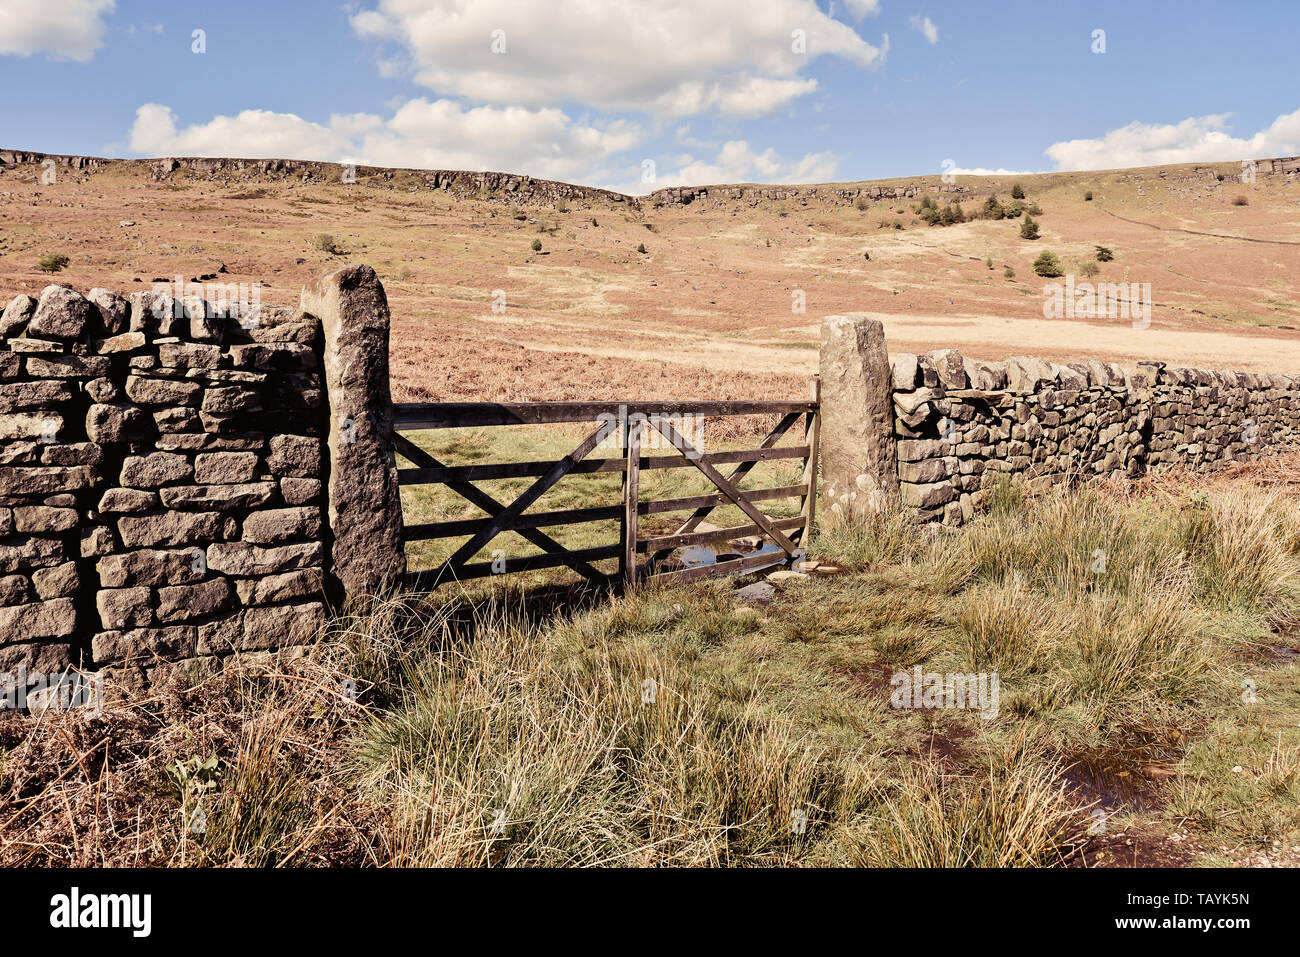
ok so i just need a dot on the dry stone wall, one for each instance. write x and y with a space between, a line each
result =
161 481
961 425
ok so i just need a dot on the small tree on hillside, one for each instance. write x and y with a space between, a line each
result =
1029 228
1017 191
1048 264
52 262
1104 255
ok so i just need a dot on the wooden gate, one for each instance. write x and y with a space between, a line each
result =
779 538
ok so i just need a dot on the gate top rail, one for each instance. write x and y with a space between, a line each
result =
415 416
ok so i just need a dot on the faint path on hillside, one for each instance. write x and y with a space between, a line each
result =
1194 232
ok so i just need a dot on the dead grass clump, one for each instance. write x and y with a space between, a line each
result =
232 768
1013 815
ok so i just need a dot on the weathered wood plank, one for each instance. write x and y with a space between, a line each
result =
431 578
812 438
631 493
670 542
715 499
696 572
446 474
455 528
412 416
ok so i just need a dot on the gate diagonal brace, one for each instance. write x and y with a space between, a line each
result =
481 499
531 495
717 478
738 473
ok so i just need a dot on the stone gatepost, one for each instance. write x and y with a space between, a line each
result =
859 468
365 507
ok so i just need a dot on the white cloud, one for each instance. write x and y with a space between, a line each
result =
861 8
981 171
736 162
61 29
926 26
420 134
677 57
1197 139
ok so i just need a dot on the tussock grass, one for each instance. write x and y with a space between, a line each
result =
672 728
582 746
1010 816
1006 628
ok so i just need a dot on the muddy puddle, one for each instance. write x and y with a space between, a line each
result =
694 555
1130 772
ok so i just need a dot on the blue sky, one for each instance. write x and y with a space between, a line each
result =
595 91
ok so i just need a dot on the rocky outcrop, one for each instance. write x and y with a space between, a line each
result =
519 188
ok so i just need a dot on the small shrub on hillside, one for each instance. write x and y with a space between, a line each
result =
640 247
989 262
1048 264
1034 209
1087 197
52 262
536 246
1089 269
325 243
1017 191
1009 273
1029 228
1104 255
1240 201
